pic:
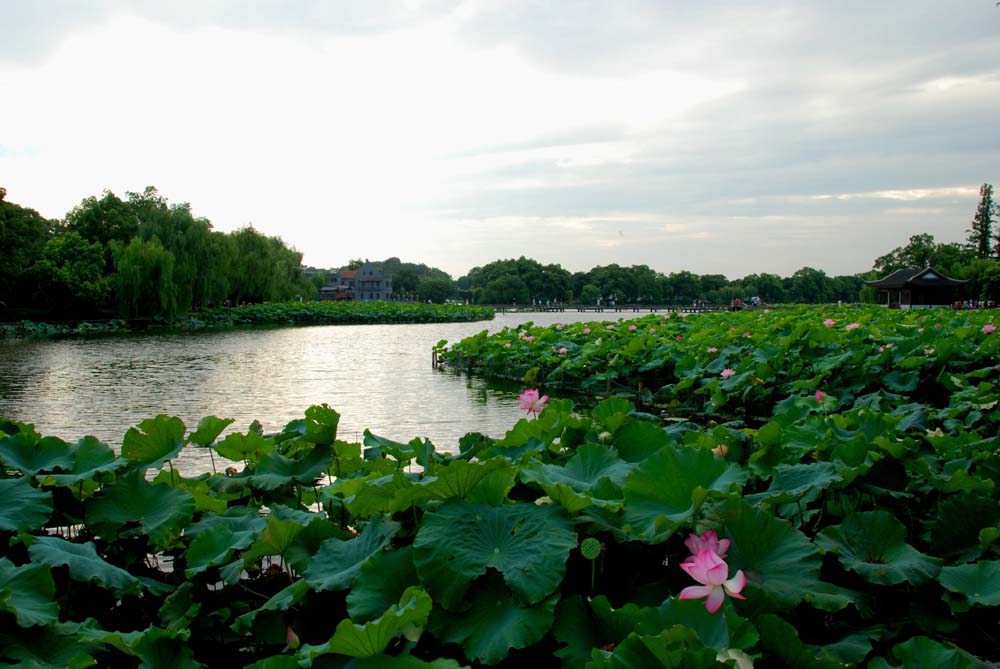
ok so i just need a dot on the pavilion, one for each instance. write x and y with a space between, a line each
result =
911 288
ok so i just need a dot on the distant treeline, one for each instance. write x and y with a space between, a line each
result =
137 257
143 257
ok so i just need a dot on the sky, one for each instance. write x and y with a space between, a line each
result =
727 137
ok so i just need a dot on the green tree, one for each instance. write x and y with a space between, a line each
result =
506 289
405 281
144 279
810 286
23 236
436 289
980 235
69 277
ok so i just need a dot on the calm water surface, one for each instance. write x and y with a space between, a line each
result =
376 376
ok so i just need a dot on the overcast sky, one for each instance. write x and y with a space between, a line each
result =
732 137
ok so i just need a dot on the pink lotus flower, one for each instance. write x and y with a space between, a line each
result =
853 326
586 331
820 396
631 328
937 326
713 573
928 351
727 372
531 402
507 345
563 351
767 311
988 328
706 542
611 327
667 317
528 338
712 349
678 337
652 330
747 334
682 315
829 323
559 326
721 450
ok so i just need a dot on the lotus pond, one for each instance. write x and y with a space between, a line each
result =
830 501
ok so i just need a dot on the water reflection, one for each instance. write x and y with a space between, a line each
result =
376 376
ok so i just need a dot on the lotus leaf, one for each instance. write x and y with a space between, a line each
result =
780 563
244 447
28 592
495 623
872 544
84 564
372 638
25 453
526 543
156 441
667 489
92 459
23 507
337 562
923 653
132 506
979 582
275 470
380 583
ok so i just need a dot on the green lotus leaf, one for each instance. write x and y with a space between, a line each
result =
872 544
575 630
590 464
667 489
244 447
56 645
715 630
92 458
205 499
677 646
377 447
385 494
278 534
275 470
923 653
959 521
28 592
612 412
637 440
23 507
209 429
901 382
780 641
337 562
459 477
214 547
156 647
85 565
494 623
321 425
276 662
156 441
236 518
781 565
22 451
179 608
282 600
380 583
132 506
526 543
793 482
372 638
979 582
405 662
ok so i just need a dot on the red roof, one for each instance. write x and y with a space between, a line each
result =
347 274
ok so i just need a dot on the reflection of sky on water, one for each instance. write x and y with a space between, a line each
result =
376 376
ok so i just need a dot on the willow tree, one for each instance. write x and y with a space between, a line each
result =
144 279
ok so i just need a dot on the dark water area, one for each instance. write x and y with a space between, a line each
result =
378 377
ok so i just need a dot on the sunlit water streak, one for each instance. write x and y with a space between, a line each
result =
376 376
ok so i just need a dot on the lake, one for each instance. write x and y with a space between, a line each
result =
376 376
